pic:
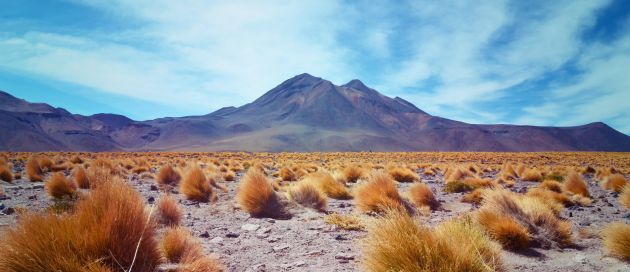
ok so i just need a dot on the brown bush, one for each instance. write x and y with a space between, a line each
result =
616 238
34 170
169 211
308 195
421 195
624 197
504 229
80 177
168 176
287 174
107 232
177 244
195 185
256 196
403 174
378 194
58 186
576 185
328 185
352 173
5 173
614 182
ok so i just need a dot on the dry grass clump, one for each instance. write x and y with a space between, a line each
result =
344 221
286 174
378 194
308 195
352 173
328 185
396 243
538 217
624 197
58 186
614 182
5 173
508 172
474 197
169 211
168 176
2 193
256 196
551 185
80 177
34 170
177 244
509 233
576 185
454 174
195 185
421 195
549 195
109 231
403 174
201 264
616 238
229 176
531 174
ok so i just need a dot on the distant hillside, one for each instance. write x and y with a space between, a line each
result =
304 113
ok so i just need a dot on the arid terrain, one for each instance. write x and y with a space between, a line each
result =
325 211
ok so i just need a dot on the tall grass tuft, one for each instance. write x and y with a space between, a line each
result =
195 185
34 170
378 194
616 237
169 211
256 196
58 186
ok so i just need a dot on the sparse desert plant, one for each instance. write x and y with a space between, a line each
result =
421 195
110 230
396 243
34 170
344 221
403 174
378 194
614 182
616 238
177 244
5 173
624 197
531 174
80 177
169 211
229 176
58 186
576 185
201 264
45 163
2 193
509 233
551 185
352 173
508 172
457 187
76 159
474 197
328 185
286 174
168 176
549 195
195 185
256 196
308 195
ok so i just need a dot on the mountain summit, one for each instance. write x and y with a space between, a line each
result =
303 113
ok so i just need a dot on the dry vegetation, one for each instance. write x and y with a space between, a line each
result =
406 211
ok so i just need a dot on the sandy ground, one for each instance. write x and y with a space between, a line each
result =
306 243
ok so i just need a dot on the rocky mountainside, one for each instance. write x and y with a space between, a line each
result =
304 113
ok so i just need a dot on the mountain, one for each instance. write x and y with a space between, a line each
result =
304 113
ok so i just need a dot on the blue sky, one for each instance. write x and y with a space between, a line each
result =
556 63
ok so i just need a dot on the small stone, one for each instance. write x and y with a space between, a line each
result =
316 227
153 187
341 237
32 197
205 234
9 211
271 220
38 186
216 240
273 239
343 256
280 248
232 235
151 200
250 227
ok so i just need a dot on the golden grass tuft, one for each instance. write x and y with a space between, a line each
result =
195 185
396 243
624 197
344 221
5 173
101 235
531 174
574 183
551 185
80 177
421 195
378 194
286 174
328 185
34 169
177 244
474 197
201 264
614 182
403 174
256 196
616 239
308 195
352 173
2 193
58 186
168 176
169 211
505 230
229 176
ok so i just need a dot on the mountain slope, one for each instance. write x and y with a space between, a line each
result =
304 113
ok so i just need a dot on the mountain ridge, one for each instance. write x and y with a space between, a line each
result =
303 113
